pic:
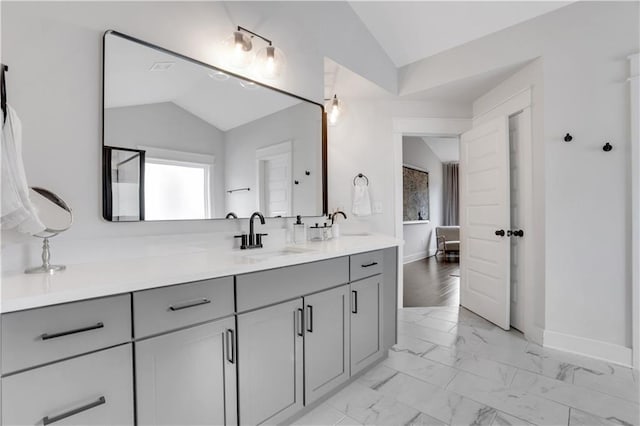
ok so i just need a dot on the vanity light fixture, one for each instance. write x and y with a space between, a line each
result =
333 108
269 60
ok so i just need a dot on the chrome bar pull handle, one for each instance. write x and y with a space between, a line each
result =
46 336
299 316
189 305
310 318
48 420
354 302
231 346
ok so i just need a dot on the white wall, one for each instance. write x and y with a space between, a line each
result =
167 126
362 142
420 238
54 52
583 192
240 155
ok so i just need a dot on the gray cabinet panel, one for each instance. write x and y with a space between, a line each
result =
267 287
72 385
187 377
364 265
270 362
366 326
326 341
43 335
170 308
390 297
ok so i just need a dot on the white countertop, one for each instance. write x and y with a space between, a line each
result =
98 279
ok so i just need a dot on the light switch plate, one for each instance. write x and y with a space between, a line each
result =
377 207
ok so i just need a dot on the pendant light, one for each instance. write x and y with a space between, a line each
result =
268 62
334 109
239 48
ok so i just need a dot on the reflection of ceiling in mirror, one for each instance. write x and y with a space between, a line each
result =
130 80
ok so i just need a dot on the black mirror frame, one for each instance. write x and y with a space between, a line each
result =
105 198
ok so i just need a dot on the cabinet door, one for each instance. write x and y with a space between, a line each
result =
93 389
270 363
366 322
188 377
326 341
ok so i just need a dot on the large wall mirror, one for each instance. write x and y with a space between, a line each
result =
183 140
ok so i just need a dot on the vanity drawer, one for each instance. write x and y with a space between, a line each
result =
168 308
43 335
364 265
94 389
276 285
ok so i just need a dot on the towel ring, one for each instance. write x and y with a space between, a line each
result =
360 176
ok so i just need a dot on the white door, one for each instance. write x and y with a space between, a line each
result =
484 221
517 221
276 185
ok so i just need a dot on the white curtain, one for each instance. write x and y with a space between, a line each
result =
450 190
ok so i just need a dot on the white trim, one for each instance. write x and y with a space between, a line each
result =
609 352
175 155
415 222
634 112
411 126
416 256
509 106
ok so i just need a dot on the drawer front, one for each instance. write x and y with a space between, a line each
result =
39 336
367 264
168 308
94 389
276 285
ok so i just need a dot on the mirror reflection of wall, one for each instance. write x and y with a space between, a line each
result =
213 143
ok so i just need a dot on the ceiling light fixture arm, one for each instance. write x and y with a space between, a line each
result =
255 34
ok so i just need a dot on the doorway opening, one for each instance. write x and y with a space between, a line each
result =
484 250
430 220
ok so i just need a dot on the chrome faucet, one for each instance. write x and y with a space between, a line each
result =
254 240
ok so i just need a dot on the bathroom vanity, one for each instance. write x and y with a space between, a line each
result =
235 338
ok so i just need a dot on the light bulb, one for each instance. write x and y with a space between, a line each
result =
238 48
270 62
334 107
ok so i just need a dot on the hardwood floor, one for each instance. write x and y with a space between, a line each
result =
431 282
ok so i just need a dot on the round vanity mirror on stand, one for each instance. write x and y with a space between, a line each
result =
56 216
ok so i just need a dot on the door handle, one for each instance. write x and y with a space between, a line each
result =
189 305
299 330
518 233
354 302
231 346
310 319
48 420
47 336
500 232
509 233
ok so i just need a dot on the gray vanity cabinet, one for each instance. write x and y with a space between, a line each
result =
93 389
326 341
270 363
366 322
188 377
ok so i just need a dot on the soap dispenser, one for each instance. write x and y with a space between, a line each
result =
299 231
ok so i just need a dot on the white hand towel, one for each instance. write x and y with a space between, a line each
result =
361 200
17 209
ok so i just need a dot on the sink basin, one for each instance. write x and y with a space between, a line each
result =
260 255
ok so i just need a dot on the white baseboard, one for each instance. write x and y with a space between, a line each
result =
609 352
418 256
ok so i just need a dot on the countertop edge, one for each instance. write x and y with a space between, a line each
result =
24 292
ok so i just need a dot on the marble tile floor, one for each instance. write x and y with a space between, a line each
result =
451 367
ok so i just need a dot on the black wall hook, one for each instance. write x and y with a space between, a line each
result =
307 172
568 138
607 147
